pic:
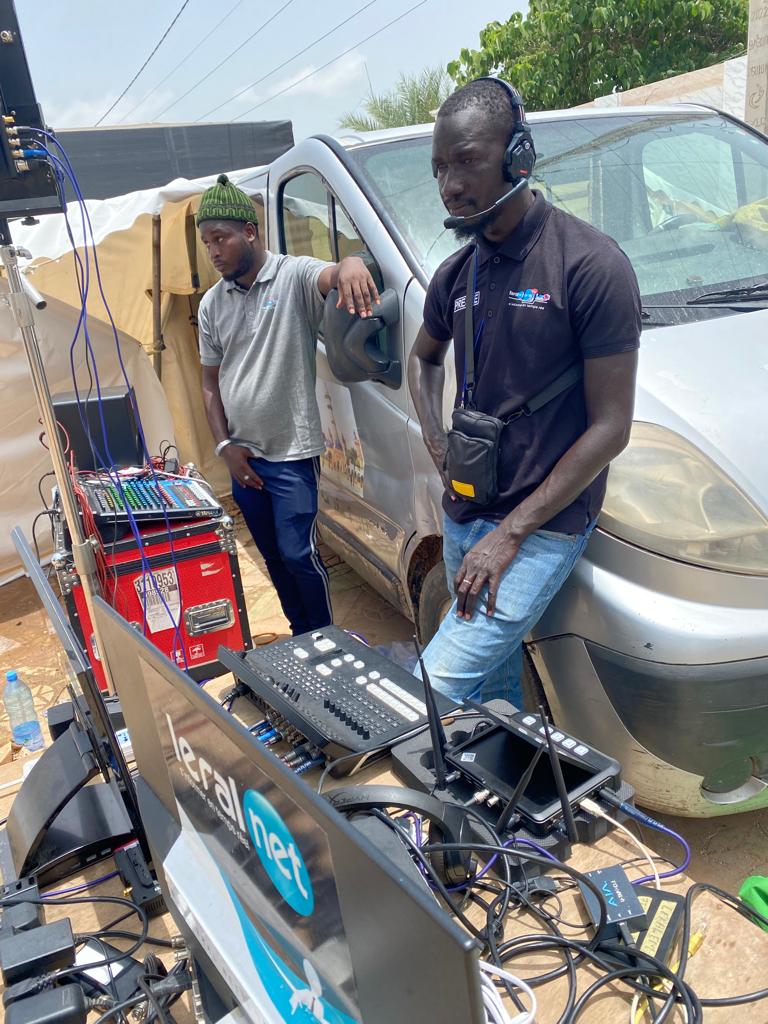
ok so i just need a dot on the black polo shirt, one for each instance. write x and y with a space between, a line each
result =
555 292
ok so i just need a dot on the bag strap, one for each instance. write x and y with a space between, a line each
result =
570 376
469 333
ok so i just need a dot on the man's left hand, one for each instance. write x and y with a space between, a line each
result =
484 566
357 289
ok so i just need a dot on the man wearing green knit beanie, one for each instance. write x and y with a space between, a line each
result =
258 330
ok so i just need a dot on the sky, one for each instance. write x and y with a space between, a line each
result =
82 56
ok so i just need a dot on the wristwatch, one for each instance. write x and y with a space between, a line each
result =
222 445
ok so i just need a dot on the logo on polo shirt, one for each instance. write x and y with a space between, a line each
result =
461 302
529 297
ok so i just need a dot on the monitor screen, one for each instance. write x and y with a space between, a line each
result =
498 757
299 915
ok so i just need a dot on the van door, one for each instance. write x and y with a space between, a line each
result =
366 485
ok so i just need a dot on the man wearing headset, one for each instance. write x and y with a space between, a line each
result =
555 328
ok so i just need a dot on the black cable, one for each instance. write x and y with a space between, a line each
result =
149 940
149 58
741 908
63 901
43 502
438 883
535 859
213 70
126 1004
183 60
319 39
46 512
570 961
111 983
152 1000
328 63
111 924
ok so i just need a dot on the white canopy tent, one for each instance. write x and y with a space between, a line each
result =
122 229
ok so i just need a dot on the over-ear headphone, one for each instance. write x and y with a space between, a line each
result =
520 156
447 823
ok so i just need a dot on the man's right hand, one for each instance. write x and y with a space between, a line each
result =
236 458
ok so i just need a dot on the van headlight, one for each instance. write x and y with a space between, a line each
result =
666 496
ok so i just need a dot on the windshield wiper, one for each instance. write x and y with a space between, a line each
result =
752 291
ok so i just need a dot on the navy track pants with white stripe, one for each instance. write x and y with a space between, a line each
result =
282 518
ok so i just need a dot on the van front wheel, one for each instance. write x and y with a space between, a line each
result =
434 602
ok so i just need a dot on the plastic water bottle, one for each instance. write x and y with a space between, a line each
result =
22 716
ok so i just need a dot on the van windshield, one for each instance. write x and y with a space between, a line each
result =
685 195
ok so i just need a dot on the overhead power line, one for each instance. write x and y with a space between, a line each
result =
149 58
183 60
344 21
332 61
224 61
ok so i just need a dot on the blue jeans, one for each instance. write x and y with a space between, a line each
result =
282 520
481 658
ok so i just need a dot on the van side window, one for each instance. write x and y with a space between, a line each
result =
689 172
349 242
304 217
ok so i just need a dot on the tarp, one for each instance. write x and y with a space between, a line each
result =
173 411
23 459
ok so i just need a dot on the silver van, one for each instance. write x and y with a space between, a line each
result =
656 650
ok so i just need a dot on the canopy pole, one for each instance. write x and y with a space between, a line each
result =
157 334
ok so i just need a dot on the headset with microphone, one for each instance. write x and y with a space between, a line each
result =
519 157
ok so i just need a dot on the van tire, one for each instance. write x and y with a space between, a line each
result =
434 602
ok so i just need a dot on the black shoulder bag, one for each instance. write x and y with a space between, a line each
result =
474 440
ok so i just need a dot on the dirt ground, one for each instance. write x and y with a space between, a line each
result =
725 850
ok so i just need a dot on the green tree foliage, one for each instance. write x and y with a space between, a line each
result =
566 52
412 101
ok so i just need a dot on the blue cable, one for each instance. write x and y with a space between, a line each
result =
107 462
65 167
646 819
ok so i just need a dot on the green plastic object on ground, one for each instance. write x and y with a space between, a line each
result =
754 892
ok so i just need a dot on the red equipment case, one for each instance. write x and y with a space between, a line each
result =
203 591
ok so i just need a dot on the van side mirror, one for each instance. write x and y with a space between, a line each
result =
354 346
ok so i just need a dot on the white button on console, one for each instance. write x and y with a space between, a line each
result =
324 670
374 675
529 720
581 750
349 657
569 744
360 680
359 664
556 736
336 662
300 652
324 645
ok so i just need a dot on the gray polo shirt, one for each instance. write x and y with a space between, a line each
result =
264 341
